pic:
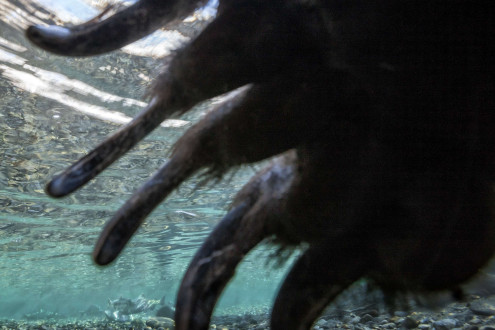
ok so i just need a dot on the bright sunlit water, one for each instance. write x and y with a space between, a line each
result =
53 110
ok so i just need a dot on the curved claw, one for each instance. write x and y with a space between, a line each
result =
212 268
121 29
108 151
320 274
129 217
251 219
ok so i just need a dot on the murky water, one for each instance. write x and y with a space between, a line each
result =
55 109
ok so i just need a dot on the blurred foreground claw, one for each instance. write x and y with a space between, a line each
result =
252 218
102 36
107 152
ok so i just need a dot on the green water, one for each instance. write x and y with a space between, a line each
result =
53 110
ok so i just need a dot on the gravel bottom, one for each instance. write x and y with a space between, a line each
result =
473 314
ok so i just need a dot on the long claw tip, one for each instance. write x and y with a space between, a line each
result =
102 257
57 188
39 34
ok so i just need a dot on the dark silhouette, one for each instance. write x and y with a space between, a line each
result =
382 111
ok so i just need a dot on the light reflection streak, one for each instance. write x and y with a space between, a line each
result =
5 56
158 44
20 19
54 86
15 47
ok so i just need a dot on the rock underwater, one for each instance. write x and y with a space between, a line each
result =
381 114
